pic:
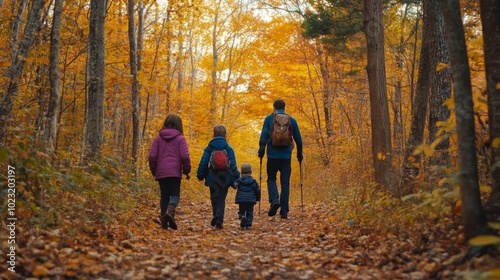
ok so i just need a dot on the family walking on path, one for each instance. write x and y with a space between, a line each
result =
169 159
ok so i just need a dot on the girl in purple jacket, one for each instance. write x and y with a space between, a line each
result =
168 160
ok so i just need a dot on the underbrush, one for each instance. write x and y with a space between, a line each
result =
421 218
94 197
70 198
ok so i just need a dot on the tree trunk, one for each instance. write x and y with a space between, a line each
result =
398 132
50 133
490 18
381 128
411 163
169 58
473 215
326 80
95 116
15 26
215 60
40 83
140 34
140 47
326 132
15 70
136 130
152 77
191 81
440 83
181 75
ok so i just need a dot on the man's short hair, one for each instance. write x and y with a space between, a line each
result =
279 104
219 130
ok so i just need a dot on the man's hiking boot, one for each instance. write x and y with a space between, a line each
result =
218 225
274 209
243 222
169 216
214 220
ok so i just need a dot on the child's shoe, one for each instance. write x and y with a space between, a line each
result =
243 222
163 221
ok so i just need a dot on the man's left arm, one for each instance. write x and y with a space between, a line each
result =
297 137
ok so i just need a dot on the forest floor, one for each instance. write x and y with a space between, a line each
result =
310 244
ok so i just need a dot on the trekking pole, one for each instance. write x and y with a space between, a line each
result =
260 182
301 195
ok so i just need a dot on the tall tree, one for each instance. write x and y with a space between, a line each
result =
136 130
490 18
215 62
95 102
402 79
473 215
333 23
15 27
50 130
15 70
381 127
440 83
169 58
431 85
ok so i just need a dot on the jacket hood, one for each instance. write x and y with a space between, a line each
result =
218 142
245 179
169 133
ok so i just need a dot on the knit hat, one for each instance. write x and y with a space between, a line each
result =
246 168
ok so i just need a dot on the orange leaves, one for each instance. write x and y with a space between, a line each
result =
495 143
40 271
441 66
484 240
315 244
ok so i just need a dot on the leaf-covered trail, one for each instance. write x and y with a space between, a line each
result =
310 245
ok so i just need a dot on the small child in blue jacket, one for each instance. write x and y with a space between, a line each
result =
247 195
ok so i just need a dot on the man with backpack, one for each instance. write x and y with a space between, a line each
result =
278 133
219 170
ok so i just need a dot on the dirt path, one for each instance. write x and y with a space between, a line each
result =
313 245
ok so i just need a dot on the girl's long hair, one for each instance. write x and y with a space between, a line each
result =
173 121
